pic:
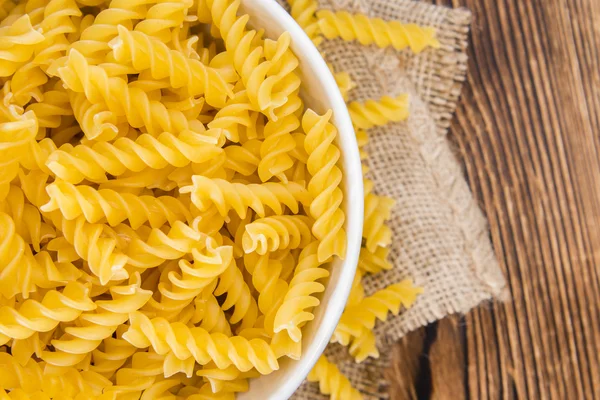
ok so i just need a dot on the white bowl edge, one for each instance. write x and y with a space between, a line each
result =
322 95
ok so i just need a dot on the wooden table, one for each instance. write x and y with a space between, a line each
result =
528 130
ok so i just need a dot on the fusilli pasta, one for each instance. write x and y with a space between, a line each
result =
376 31
376 113
168 205
332 381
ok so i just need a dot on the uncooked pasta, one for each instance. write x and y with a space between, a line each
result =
169 206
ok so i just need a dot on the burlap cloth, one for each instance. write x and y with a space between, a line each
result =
440 235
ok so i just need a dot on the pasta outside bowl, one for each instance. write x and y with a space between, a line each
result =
320 92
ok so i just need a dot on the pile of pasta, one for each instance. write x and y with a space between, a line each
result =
168 205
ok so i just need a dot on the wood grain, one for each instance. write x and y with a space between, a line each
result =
528 131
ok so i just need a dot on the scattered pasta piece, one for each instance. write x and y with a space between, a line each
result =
332 381
375 307
303 11
376 31
378 112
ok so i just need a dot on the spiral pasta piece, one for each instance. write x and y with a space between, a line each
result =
50 110
101 253
209 315
234 115
21 272
27 219
241 43
225 196
281 87
182 282
121 98
300 298
94 40
185 343
344 82
271 288
279 232
357 291
148 248
6 7
239 297
162 17
332 381
378 112
24 85
378 209
114 207
98 325
374 262
17 44
362 138
144 52
96 121
364 346
243 159
304 12
324 185
111 355
376 31
17 131
94 162
37 379
375 307
276 148
223 379
56 23
43 316
130 382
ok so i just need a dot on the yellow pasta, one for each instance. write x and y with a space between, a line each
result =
93 327
27 219
76 163
377 113
332 382
266 278
161 18
378 209
17 44
121 98
36 378
199 345
277 233
226 196
376 31
298 302
324 184
375 307
345 83
276 148
303 11
239 297
144 52
182 282
374 262
114 207
168 205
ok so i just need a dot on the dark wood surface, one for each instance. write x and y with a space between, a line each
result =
528 131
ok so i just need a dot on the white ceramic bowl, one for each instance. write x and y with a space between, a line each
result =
320 92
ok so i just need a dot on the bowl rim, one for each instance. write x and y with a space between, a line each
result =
305 49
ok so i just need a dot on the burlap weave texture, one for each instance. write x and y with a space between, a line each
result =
440 235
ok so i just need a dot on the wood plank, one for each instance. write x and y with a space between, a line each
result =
528 130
